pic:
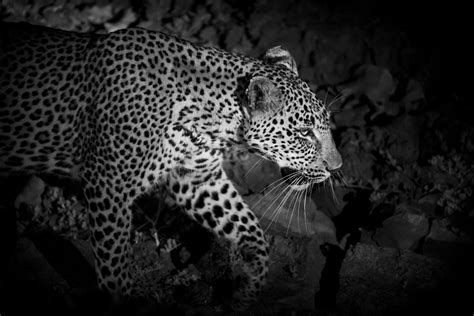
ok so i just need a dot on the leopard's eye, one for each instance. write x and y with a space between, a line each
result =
306 132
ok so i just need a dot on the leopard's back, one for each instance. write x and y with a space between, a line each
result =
45 87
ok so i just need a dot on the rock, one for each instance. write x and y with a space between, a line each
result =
31 193
234 36
352 117
335 49
259 173
404 143
128 18
244 47
100 14
389 48
295 268
414 96
66 259
323 226
32 266
429 203
374 82
402 230
329 201
355 149
366 237
182 7
259 23
293 279
392 108
441 230
85 248
291 214
209 35
451 245
251 173
386 281
156 10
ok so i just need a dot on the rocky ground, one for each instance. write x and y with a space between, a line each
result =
394 235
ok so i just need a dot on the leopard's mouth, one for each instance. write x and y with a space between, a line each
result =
294 178
287 171
297 180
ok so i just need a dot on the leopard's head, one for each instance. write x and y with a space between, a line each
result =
287 123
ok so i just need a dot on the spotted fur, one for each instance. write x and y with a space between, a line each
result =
132 110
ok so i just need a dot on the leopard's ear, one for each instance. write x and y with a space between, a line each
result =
279 55
263 96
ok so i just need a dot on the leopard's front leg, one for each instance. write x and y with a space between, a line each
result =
216 205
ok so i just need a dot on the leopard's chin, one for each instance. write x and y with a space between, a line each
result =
290 175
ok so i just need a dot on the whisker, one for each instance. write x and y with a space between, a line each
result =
326 96
275 199
336 200
343 179
282 182
274 184
295 199
285 189
304 208
284 202
281 204
275 211
301 198
284 178
337 98
258 162
292 210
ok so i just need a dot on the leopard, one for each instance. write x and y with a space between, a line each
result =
132 110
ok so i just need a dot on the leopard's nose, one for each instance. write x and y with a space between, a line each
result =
331 157
334 161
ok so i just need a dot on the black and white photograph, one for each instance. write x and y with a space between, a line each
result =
236 157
